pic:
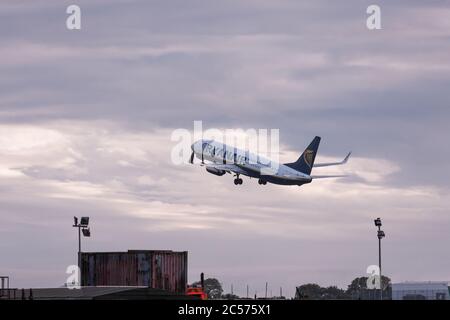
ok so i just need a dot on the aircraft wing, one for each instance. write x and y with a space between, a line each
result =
333 163
228 168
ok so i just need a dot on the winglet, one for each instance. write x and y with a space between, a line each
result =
334 163
346 158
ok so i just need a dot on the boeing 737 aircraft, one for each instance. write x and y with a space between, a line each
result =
225 159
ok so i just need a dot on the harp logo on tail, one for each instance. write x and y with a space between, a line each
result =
308 156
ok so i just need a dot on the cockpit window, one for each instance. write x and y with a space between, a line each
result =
205 144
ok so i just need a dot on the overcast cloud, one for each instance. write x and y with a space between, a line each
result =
86 119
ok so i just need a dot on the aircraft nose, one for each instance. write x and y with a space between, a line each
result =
197 146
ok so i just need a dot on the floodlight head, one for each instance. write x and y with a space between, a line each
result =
75 221
86 232
381 234
84 221
377 222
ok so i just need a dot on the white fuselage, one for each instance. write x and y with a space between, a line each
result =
253 165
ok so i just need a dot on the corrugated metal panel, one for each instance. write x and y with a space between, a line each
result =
155 269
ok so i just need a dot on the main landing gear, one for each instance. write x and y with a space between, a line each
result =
237 180
262 182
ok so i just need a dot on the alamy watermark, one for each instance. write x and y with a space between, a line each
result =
73 21
373 21
236 146
373 281
73 280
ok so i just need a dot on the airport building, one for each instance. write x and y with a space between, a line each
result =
134 274
157 269
429 290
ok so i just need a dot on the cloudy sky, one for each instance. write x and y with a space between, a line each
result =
86 119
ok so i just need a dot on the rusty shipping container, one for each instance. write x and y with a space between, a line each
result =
158 269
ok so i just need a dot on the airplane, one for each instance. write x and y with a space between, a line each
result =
225 159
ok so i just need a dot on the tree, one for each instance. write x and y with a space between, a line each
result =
213 288
313 291
310 291
357 289
230 296
359 285
333 293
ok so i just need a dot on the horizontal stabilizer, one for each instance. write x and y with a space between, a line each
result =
333 163
328 176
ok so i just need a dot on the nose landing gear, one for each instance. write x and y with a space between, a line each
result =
237 180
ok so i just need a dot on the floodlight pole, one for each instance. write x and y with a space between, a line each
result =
78 225
82 225
380 235
379 266
79 246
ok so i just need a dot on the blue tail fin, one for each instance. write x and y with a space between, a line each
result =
306 161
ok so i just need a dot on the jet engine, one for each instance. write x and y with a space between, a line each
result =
215 171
